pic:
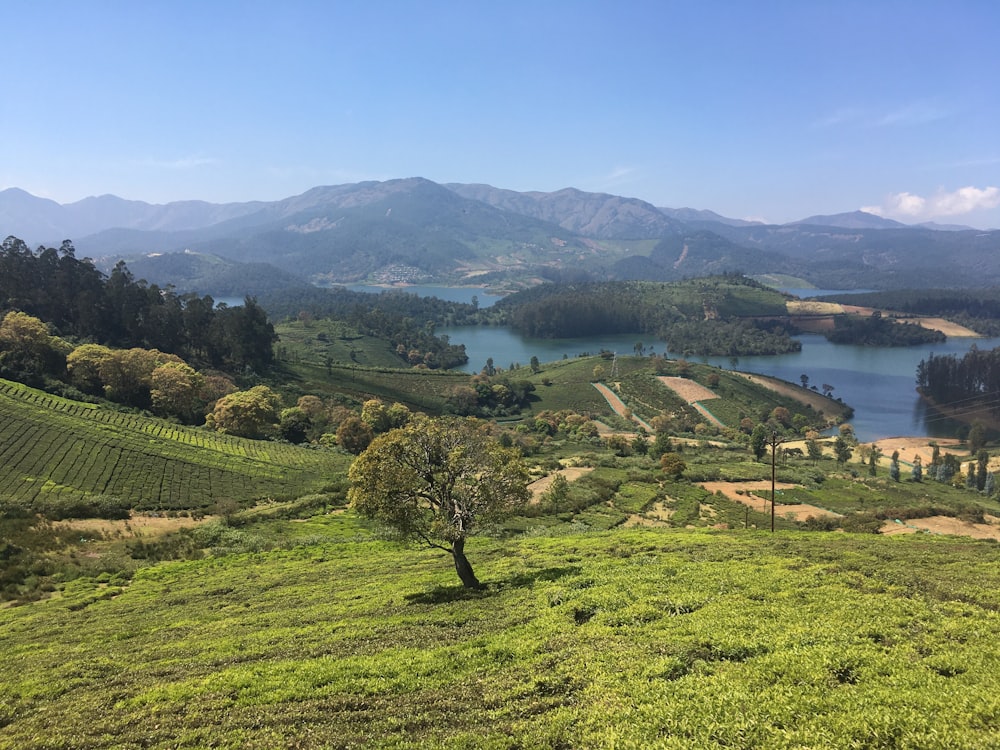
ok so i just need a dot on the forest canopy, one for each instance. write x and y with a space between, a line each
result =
117 310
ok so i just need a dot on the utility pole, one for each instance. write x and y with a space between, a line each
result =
774 442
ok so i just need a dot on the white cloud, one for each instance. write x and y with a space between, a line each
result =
967 199
617 177
915 113
962 201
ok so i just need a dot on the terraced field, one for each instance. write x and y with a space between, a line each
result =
51 446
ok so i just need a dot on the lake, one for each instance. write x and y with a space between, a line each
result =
878 382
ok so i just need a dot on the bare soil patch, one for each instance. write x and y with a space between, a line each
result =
135 526
800 511
658 515
947 327
909 447
802 307
572 473
687 389
943 525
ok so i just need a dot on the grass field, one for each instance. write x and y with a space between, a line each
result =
290 623
642 638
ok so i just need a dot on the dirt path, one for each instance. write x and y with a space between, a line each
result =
800 511
619 406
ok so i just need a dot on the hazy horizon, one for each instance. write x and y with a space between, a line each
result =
770 113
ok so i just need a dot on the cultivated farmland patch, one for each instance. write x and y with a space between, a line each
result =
53 448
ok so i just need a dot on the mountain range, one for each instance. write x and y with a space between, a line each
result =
415 230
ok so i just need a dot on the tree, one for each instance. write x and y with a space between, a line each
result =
982 468
294 424
374 415
977 437
354 435
535 364
918 469
672 465
781 415
620 445
758 441
873 459
174 389
437 481
246 413
894 467
557 492
84 367
805 380
127 374
842 450
27 349
814 449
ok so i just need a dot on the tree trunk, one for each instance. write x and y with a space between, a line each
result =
462 566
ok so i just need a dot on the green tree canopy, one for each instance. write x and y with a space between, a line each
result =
437 481
246 413
174 389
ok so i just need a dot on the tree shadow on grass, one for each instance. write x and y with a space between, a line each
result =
446 594
458 593
522 580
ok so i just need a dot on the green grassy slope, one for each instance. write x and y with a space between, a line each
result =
52 447
664 638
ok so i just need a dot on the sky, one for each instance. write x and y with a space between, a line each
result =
756 109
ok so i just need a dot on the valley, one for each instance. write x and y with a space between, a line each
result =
189 530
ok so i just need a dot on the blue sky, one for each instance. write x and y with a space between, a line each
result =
770 110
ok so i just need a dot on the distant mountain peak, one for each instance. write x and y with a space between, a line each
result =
850 220
699 216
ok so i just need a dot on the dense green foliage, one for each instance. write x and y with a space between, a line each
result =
969 383
698 316
437 482
406 321
79 301
875 330
734 338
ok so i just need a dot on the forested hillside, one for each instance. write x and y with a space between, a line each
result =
79 301
715 315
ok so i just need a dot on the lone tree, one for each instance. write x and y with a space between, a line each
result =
436 481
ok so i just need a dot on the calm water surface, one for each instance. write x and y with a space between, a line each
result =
878 382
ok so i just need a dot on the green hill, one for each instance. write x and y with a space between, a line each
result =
665 638
55 451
